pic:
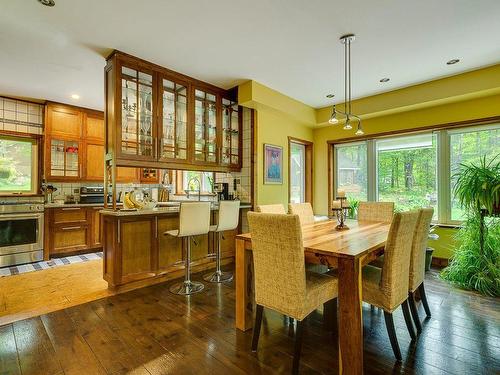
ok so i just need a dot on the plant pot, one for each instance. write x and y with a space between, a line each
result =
428 258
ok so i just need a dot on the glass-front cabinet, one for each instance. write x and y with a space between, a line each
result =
231 137
173 136
158 118
64 159
137 114
205 127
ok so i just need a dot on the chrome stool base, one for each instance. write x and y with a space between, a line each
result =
218 277
186 288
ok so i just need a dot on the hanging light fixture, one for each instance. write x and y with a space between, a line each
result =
346 40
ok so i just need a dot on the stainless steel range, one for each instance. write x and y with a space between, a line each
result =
21 232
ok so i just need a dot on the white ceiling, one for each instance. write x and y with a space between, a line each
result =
289 45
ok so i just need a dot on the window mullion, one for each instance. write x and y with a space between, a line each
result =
443 171
371 162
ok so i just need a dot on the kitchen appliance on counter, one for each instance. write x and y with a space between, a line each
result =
21 232
222 190
92 194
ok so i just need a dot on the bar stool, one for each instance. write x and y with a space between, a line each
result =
229 215
194 220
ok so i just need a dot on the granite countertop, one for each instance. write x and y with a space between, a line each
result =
156 211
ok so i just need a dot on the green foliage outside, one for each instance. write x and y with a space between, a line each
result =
15 165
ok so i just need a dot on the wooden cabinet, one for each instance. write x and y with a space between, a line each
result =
63 121
72 230
63 159
149 176
158 118
94 127
94 162
127 175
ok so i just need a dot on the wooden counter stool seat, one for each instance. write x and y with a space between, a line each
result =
229 215
387 287
194 220
281 281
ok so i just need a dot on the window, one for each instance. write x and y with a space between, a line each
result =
468 146
414 170
18 165
406 171
352 170
297 172
186 181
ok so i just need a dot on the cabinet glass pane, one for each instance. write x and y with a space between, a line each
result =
230 132
64 158
205 127
72 159
174 142
57 158
137 113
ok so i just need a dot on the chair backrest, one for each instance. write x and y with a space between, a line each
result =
419 244
271 209
229 215
194 218
396 268
376 211
278 258
304 210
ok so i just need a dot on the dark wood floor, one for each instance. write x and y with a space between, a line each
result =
150 331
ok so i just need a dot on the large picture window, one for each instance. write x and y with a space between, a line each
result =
405 169
18 165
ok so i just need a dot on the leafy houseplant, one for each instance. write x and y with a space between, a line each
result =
353 208
476 262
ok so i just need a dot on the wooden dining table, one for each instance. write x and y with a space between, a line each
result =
348 250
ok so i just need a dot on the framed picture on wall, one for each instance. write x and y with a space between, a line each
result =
273 164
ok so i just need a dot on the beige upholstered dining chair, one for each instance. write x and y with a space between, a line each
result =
271 209
417 264
304 210
376 211
281 281
387 287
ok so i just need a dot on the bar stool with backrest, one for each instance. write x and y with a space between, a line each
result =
387 287
304 210
229 216
194 220
281 282
271 209
417 265
376 211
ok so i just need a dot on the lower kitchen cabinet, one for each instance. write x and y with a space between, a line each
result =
72 230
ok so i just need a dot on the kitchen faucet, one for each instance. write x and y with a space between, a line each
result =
195 179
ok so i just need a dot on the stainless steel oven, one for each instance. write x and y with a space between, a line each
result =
21 232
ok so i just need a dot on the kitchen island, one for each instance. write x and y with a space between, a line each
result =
136 251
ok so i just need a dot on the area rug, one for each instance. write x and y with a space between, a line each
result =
56 262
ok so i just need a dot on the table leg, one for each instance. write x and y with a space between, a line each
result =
350 317
244 287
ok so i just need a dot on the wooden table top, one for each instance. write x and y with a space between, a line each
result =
361 238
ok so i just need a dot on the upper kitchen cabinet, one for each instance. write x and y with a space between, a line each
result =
157 118
93 129
63 159
63 121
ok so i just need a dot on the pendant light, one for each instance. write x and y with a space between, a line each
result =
346 40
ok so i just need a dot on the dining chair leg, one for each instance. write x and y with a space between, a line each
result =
256 327
423 296
330 315
414 311
389 323
298 346
409 324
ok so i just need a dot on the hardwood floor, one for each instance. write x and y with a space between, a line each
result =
150 331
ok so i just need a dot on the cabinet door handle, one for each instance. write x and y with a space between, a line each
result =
71 209
71 228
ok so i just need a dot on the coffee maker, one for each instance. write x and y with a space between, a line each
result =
222 190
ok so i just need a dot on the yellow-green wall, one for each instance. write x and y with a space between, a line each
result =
275 128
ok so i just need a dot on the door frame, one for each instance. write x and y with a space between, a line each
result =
308 184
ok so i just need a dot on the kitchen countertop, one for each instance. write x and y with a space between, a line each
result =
156 211
63 205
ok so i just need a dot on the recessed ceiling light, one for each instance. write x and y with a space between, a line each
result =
383 80
329 96
75 96
452 61
49 3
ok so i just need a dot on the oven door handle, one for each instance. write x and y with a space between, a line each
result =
21 216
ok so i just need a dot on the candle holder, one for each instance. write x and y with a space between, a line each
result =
341 213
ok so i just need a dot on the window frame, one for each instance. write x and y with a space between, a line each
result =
308 162
36 162
443 155
179 183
